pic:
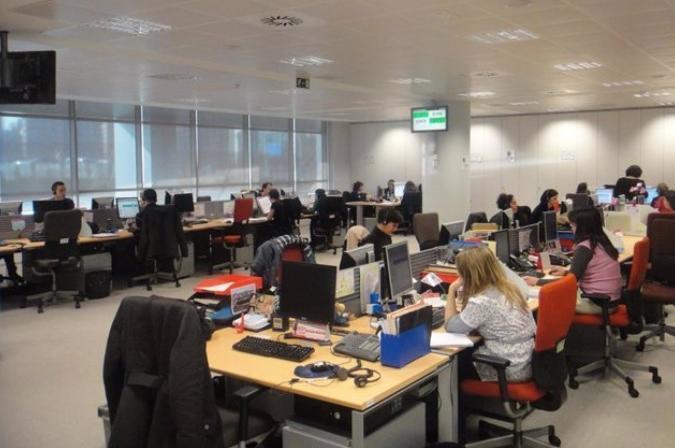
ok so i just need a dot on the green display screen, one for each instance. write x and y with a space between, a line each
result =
429 119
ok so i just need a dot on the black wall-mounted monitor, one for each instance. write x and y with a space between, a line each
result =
28 77
429 119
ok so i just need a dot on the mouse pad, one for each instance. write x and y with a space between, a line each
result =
306 372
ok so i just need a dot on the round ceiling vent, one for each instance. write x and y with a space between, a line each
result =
281 21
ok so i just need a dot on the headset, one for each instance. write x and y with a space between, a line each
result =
362 375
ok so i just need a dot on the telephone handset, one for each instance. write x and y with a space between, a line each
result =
520 263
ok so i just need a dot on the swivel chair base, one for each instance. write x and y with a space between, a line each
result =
659 330
47 298
516 437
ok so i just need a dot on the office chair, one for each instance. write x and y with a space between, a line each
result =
329 222
348 211
354 236
158 387
60 254
659 290
523 215
477 217
236 237
291 252
501 219
411 204
203 198
161 244
545 391
426 229
626 318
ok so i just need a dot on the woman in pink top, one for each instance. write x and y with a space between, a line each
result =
595 263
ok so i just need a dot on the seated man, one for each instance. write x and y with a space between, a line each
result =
388 220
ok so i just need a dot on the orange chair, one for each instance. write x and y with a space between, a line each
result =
236 238
292 252
622 320
546 390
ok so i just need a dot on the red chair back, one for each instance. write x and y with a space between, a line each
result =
243 209
661 234
557 302
638 270
292 252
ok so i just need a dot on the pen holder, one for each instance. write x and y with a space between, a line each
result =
404 348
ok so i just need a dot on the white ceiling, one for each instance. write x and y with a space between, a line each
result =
234 59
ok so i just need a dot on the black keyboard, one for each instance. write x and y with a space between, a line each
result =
274 349
532 273
360 346
37 237
437 317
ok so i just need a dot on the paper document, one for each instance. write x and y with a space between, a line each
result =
344 284
435 302
533 291
439 339
103 235
218 288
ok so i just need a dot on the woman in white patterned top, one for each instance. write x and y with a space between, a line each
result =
496 308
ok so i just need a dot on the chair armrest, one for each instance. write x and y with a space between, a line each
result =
500 365
245 394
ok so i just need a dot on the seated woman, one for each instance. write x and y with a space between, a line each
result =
278 216
595 262
496 308
507 211
668 204
658 201
549 201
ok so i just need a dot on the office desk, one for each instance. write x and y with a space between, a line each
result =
276 374
360 204
26 244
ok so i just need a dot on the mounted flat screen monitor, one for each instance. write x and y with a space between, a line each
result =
429 119
29 78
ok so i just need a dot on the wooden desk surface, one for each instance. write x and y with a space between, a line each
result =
277 373
373 204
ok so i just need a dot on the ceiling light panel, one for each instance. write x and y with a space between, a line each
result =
651 94
306 61
504 36
577 66
524 103
483 94
636 82
409 81
129 25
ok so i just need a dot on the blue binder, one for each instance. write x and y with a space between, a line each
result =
407 346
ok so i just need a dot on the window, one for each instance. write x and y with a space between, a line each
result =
271 158
311 162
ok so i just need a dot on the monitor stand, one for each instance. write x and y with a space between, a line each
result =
312 331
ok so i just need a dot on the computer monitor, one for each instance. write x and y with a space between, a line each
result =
183 202
502 249
604 195
49 205
107 219
167 198
651 195
399 188
228 209
128 207
399 272
579 200
102 202
526 238
450 231
264 204
550 222
212 209
308 291
10 208
357 257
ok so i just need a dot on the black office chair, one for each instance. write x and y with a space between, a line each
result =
157 383
161 245
348 211
60 255
329 223
475 218
411 204
293 208
523 215
203 198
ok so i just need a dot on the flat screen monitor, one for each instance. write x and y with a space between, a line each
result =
128 207
526 238
429 119
399 188
308 291
11 208
264 204
30 78
107 219
399 272
604 195
357 257
502 245
651 195
550 221
579 200
49 205
450 231
183 202
102 202
228 209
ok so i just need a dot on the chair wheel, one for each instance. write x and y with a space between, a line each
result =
554 440
623 335
574 384
640 346
656 379
149 288
40 310
77 305
633 392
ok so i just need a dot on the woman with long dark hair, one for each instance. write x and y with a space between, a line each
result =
549 201
595 262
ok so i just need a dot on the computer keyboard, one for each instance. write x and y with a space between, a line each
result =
37 237
360 346
192 221
437 317
532 273
274 349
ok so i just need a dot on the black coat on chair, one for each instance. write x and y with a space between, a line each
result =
161 234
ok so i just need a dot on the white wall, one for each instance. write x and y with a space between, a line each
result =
337 136
524 155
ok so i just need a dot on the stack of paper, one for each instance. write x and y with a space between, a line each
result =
218 288
439 339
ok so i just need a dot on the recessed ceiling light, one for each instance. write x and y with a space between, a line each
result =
483 94
651 94
518 3
281 21
291 92
274 108
130 25
193 100
504 36
305 61
635 82
409 81
524 103
576 66
366 102
559 92
668 103
485 74
175 77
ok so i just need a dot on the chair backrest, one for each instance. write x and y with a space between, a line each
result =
203 198
501 220
331 213
354 236
61 230
243 209
474 218
579 200
661 234
292 252
639 267
162 233
426 228
523 215
557 303
411 204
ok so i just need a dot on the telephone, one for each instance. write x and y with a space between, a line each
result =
520 263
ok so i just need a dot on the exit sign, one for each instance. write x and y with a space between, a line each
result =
302 83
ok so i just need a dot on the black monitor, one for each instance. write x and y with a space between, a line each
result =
183 202
523 239
308 291
49 205
29 78
450 231
102 202
11 208
357 257
550 223
399 272
107 219
579 200
502 247
167 198
128 207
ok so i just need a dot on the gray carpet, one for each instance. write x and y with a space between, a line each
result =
50 383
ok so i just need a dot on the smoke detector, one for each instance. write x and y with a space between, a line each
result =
281 21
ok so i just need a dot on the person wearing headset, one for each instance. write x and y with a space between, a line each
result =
59 194
388 220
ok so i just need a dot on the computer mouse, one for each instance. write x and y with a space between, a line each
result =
321 367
